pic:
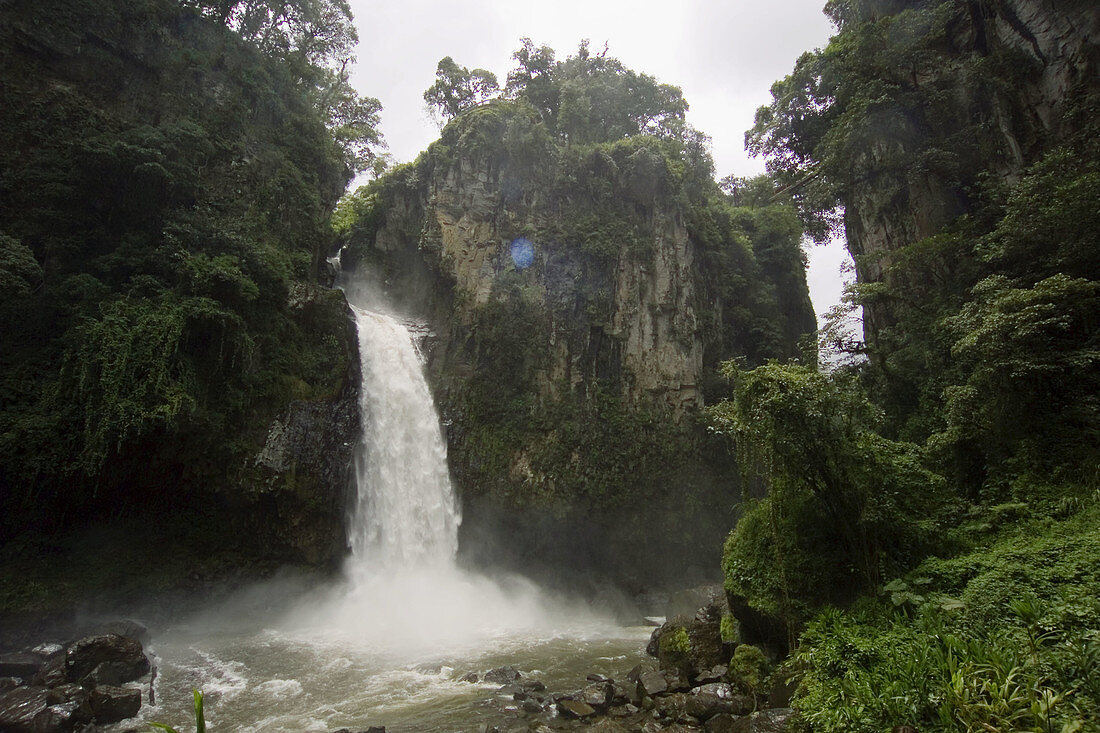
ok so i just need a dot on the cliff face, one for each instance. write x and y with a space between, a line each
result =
580 309
990 96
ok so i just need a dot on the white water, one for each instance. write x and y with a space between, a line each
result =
388 644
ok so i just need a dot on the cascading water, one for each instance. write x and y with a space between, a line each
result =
405 513
388 645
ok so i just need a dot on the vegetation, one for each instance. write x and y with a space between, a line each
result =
168 177
925 536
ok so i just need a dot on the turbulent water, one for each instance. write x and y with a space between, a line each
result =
388 644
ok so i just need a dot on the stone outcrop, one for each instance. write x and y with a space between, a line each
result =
303 470
561 316
890 206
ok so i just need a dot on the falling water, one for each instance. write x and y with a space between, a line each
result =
390 642
405 514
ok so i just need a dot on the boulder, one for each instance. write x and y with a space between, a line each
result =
776 720
598 695
531 705
715 674
651 683
20 664
726 723
688 602
127 627
469 677
575 708
502 675
48 649
705 705
52 673
18 708
689 646
60 718
673 706
10 683
111 704
106 655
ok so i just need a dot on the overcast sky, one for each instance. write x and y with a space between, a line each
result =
724 55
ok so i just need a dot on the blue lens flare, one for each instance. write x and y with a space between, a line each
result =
523 253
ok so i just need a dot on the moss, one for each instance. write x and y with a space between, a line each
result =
729 629
748 669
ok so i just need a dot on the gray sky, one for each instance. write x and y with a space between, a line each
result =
724 55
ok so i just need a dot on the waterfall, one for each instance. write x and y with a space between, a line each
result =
405 513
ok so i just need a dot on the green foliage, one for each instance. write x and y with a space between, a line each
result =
166 190
1017 652
457 88
748 669
810 437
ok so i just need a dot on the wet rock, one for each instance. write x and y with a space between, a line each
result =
18 708
502 675
652 683
575 708
621 695
533 685
60 718
689 646
689 601
638 670
743 704
127 627
48 649
714 674
111 704
469 677
607 725
106 654
676 683
726 723
673 706
598 695
531 705
595 677
20 664
775 720
52 673
705 705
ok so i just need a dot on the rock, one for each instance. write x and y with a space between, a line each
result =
52 673
689 646
20 664
595 677
533 685
469 677
67 693
127 627
689 601
714 674
676 683
637 671
719 689
60 718
111 704
672 706
18 708
106 655
782 689
651 683
743 704
575 708
48 649
606 726
726 723
705 705
770 721
10 683
621 695
502 675
598 695
531 705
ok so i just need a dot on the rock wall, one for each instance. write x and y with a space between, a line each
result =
579 314
900 193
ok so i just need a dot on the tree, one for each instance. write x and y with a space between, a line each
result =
457 88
